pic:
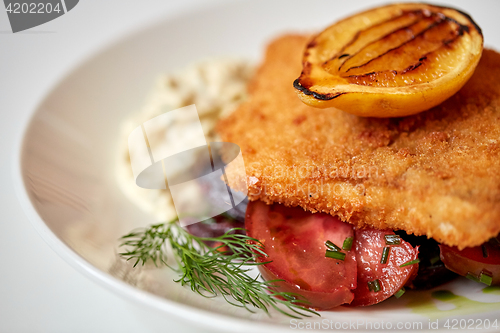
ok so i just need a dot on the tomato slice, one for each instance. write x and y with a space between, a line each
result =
294 241
472 260
369 245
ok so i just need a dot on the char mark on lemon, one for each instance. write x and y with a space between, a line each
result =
324 97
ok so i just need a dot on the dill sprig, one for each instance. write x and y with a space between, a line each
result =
211 271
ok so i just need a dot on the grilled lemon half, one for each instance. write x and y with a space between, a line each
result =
390 61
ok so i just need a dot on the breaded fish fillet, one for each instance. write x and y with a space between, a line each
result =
436 173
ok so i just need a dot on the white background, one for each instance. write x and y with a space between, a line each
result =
39 292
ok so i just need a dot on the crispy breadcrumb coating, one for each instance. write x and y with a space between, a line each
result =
436 173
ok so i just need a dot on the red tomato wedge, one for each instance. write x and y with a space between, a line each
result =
294 241
370 244
473 260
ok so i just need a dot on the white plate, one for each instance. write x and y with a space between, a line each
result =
67 159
